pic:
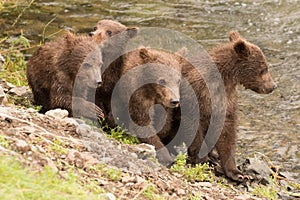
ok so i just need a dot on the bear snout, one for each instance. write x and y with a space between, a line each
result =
270 89
92 33
99 82
174 102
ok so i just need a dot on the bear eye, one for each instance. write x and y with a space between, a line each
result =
109 33
86 65
95 28
162 81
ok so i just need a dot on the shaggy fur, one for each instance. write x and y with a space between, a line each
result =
239 62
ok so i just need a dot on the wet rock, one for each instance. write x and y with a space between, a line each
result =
57 113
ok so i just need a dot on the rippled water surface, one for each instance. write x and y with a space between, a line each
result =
269 124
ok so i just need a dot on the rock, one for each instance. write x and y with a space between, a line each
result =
57 113
145 151
19 91
181 192
81 160
83 130
204 184
22 146
3 99
107 196
258 169
9 85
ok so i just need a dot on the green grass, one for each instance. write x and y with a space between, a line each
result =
199 172
268 192
17 182
119 134
4 142
151 193
15 64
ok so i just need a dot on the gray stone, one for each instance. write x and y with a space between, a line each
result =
57 113
22 146
107 196
19 91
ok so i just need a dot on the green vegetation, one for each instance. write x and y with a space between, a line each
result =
268 192
15 65
151 193
58 147
200 172
17 182
112 173
118 134
4 142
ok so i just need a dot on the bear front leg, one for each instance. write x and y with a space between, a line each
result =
82 107
194 149
61 97
162 153
226 148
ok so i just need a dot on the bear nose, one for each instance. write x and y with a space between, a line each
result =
174 102
99 83
91 33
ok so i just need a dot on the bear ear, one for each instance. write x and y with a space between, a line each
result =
132 31
241 48
69 37
145 54
234 36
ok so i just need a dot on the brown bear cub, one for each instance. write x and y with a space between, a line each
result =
56 66
239 62
148 78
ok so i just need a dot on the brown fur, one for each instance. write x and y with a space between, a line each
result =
53 68
239 62
161 71
106 29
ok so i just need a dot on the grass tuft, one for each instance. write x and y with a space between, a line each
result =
200 172
17 182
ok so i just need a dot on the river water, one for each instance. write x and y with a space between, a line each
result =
269 124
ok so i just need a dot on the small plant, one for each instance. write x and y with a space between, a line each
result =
4 142
58 147
201 172
268 192
114 174
15 64
151 193
118 134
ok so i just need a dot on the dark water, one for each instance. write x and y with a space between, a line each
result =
269 124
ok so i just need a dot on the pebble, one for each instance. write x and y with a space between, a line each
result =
22 146
57 113
107 196
19 91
